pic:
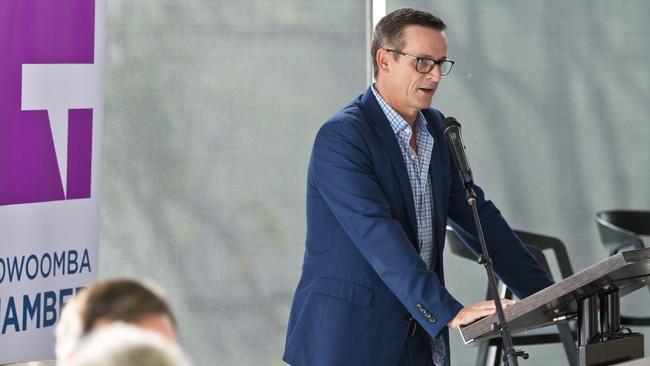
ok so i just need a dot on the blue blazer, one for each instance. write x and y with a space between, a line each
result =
362 275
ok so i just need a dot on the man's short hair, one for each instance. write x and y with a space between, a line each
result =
121 299
389 32
120 344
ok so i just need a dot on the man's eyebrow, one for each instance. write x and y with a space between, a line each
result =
431 57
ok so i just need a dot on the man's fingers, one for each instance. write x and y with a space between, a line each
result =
483 305
488 312
472 314
477 311
507 302
491 305
484 312
483 309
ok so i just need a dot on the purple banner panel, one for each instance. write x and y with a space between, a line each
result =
80 146
42 32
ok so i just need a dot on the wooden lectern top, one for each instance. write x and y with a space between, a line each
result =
626 271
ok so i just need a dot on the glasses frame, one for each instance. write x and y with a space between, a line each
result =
420 60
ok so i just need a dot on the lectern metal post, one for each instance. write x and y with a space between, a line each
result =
591 295
610 312
587 319
600 339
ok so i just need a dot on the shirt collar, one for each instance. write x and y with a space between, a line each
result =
397 123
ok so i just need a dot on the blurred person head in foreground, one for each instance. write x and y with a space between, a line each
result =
121 344
115 300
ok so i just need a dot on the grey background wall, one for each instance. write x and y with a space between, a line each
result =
553 100
211 108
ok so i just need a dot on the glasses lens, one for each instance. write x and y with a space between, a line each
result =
424 65
445 67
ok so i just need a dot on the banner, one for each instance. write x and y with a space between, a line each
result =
51 110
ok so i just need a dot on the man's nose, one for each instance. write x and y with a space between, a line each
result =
435 74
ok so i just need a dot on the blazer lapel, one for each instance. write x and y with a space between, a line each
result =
435 168
376 116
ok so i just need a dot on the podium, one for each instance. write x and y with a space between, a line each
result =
592 298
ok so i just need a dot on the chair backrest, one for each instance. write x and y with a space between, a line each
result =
536 243
456 245
621 229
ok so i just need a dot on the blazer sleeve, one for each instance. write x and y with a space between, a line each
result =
342 171
512 261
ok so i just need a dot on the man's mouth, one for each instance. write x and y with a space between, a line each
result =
426 90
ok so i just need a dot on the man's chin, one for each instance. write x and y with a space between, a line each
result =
425 104
424 101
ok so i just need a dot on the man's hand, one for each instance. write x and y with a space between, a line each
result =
471 313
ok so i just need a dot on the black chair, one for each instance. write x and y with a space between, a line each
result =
622 230
536 244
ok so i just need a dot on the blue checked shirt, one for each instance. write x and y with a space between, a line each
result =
417 166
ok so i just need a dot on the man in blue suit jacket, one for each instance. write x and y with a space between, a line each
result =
382 186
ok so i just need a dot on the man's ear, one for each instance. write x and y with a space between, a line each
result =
383 60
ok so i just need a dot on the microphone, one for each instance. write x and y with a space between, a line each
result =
451 129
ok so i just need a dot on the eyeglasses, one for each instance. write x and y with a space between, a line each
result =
424 65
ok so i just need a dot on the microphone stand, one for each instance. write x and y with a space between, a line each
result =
455 141
510 354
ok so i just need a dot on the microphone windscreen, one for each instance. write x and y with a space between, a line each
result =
450 122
